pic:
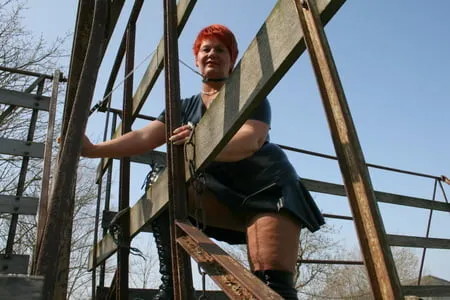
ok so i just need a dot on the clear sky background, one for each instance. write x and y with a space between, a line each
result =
393 60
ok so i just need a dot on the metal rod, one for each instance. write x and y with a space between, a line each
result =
377 255
35 74
338 217
144 117
124 183
135 11
108 197
367 164
430 216
330 262
181 265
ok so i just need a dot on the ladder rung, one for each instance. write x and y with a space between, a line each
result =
18 205
417 242
18 287
14 264
24 99
21 148
231 276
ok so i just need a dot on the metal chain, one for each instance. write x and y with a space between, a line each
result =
116 233
198 178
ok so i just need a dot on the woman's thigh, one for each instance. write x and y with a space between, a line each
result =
215 213
273 241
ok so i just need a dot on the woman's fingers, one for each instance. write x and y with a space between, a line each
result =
181 134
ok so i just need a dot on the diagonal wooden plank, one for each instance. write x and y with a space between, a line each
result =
275 49
277 45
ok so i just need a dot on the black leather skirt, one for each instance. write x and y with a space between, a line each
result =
264 182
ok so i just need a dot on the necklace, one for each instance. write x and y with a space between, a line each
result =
209 93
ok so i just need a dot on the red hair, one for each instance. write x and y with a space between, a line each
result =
220 32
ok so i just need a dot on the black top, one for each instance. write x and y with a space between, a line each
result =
265 181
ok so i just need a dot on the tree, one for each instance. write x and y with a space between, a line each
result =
351 282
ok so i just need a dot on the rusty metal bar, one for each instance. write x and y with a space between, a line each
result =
430 216
181 264
45 186
140 116
124 181
22 177
135 11
338 217
330 262
372 236
236 281
35 74
60 212
107 198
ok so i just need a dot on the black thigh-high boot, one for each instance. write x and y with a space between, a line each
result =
161 232
281 282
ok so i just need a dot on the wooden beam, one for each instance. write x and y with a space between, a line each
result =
276 47
339 190
21 148
154 68
24 99
19 287
427 290
417 242
14 264
18 205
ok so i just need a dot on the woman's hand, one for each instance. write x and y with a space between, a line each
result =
86 146
181 134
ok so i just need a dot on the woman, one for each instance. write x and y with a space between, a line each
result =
251 178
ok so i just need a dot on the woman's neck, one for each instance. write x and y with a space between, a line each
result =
210 91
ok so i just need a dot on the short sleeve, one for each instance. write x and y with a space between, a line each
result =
262 113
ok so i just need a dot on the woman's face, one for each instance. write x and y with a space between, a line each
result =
213 58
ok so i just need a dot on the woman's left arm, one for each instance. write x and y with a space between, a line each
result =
249 139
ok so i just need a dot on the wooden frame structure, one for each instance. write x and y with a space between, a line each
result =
292 26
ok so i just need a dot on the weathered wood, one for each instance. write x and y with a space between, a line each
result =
21 148
417 242
427 290
18 287
18 205
339 190
14 264
377 255
154 68
273 51
235 280
24 99
277 45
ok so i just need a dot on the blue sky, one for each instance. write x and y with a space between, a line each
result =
392 57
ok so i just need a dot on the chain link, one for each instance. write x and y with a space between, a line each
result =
116 233
198 178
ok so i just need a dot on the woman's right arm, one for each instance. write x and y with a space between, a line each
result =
133 143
